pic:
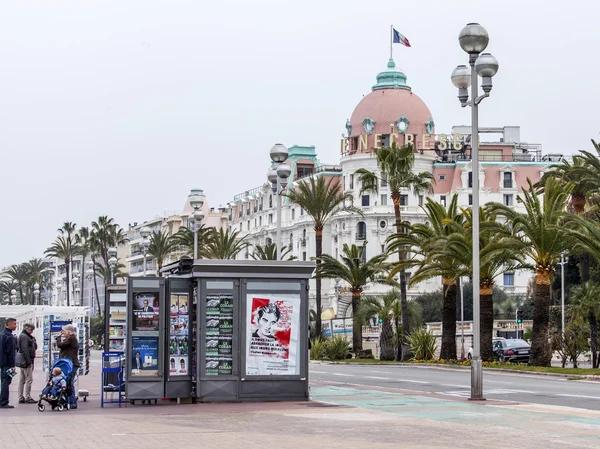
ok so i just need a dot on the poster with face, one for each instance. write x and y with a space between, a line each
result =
145 311
144 356
174 305
272 341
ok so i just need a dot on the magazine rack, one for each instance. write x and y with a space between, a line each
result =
112 378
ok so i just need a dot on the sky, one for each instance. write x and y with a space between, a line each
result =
119 108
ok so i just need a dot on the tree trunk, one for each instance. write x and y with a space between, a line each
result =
96 285
448 350
540 349
486 324
318 253
398 336
403 348
82 276
356 323
21 294
386 341
593 337
68 283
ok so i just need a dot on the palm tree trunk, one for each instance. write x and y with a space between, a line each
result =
21 293
96 285
356 323
448 350
593 337
540 350
386 341
403 348
398 337
68 283
486 324
318 253
82 270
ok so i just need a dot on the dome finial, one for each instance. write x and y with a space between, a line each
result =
391 78
391 63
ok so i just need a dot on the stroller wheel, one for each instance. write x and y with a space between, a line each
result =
61 408
41 407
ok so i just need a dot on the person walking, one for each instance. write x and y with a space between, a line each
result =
69 349
8 348
27 346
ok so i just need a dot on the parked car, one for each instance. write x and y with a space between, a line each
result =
494 340
513 350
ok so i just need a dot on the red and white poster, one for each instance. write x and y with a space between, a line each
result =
272 342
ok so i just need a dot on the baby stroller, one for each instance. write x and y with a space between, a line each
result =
63 400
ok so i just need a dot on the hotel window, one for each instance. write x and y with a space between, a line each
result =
442 177
301 211
509 279
420 200
403 200
270 201
304 170
384 182
260 221
470 180
385 140
270 218
241 227
293 213
351 182
365 200
508 180
508 200
255 222
304 256
384 200
336 253
443 200
470 199
248 225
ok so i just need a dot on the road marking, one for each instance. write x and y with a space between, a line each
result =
456 386
317 372
377 377
413 381
344 375
578 396
498 382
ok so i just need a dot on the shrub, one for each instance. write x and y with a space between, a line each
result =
422 344
337 348
317 348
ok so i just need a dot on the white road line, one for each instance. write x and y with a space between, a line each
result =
497 382
413 381
376 377
344 375
455 386
578 396
317 372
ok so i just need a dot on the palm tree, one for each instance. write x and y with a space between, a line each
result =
184 237
427 241
84 249
19 274
65 247
223 244
6 287
383 307
269 252
94 243
104 272
35 268
538 236
109 234
321 200
396 166
357 273
162 245
585 306
494 259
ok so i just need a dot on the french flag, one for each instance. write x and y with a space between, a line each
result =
400 39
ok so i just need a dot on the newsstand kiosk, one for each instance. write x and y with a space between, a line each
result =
220 331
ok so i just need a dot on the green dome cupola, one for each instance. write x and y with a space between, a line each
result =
391 78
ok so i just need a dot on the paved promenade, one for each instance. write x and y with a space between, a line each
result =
339 416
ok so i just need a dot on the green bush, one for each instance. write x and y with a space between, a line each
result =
422 344
337 348
317 348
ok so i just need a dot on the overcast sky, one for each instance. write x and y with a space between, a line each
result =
121 107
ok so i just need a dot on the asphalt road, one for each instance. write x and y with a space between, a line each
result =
454 382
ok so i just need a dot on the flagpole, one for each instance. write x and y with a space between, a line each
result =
391 39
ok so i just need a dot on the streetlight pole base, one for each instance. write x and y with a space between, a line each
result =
476 380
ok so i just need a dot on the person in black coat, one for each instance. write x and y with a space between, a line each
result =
27 346
8 347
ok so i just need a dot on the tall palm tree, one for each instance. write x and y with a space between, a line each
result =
162 245
396 166
35 268
383 306
94 243
357 274
65 247
19 274
223 244
83 250
7 285
584 304
494 259
109 234
185 238
427 242
269 252
538 235
104 272
321 200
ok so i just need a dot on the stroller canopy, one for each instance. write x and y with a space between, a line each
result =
66 366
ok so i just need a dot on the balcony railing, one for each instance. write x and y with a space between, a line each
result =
361 236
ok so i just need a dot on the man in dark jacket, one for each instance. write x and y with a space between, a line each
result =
8 347
26 346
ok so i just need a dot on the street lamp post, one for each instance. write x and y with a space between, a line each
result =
278 178
13 295
145 232
36 292
112 263
474 39
562 293
197 199
89 275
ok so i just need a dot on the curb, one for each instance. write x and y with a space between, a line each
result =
459 367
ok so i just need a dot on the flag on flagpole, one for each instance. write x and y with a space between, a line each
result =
400 39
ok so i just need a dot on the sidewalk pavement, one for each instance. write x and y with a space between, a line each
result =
338 416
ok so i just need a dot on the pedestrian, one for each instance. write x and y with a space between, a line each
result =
8 347
27 346
69 349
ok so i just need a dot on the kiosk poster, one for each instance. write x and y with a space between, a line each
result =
219 304
272 341
218 366
178 366
145 311
144 356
